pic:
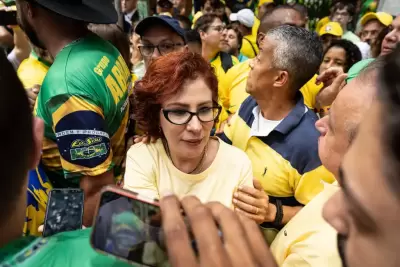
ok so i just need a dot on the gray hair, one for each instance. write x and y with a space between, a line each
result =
298 51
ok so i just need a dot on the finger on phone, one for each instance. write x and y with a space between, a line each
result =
205 231
258 246
236 244
176 236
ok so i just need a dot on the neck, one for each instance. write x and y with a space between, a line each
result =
56 37
208 54
247 32
11 227
185 164
276 107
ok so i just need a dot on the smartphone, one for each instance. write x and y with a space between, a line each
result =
64 211
8 18
128 226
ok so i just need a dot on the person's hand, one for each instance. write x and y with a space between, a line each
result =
241 244
334 80
144 139
254 203
32 95
328 76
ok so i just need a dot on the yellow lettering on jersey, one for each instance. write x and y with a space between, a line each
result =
102 65
120 77
122 66
116 91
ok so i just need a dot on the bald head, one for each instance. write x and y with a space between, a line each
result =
356 98
340 126
281 15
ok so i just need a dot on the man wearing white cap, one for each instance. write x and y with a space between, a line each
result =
246 19
372 24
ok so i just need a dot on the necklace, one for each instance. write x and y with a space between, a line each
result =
198 166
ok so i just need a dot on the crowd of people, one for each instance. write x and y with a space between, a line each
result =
237 113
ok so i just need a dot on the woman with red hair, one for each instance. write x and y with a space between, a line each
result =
176 102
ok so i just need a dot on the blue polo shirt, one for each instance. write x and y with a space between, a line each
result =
286 161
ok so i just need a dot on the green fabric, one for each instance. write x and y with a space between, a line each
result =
69 249
86 89
357 68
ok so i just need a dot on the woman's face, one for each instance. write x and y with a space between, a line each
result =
334 57
188 140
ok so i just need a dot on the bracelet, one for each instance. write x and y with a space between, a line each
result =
279 214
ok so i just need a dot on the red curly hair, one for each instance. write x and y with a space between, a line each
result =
164 79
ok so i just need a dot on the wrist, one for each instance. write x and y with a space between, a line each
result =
271 216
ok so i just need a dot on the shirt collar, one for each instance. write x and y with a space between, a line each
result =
35 56
294 117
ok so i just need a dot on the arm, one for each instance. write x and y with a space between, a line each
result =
91 186
139 174
6 38
22 48
85 148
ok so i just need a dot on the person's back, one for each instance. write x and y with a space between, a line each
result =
21 153
88 79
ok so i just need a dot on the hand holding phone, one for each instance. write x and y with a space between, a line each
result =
128 226
242 243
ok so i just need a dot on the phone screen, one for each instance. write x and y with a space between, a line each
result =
129 228
64 211
8 18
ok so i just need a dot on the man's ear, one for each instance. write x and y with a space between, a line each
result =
260 39
202 35
186 48
281 79
38 134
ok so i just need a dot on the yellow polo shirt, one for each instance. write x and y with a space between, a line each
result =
233 88
308 240
249 43
216 63
32 71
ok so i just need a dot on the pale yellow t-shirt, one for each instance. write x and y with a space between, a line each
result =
150 172
308 240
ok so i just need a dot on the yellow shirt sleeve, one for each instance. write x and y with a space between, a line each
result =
140 176
310 184
310 91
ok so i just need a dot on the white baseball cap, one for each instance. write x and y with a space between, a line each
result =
244 16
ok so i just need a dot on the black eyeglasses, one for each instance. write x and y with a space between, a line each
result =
163 49
180 116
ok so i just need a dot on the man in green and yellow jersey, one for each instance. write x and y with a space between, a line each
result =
84 97
233 88
20 153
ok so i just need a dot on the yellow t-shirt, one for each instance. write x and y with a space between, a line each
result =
149 171
308 240
216 63
233 88
32 71
249 43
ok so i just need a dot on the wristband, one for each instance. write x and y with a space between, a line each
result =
279 213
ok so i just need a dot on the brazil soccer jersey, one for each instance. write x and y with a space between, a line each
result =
84 104
68 249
